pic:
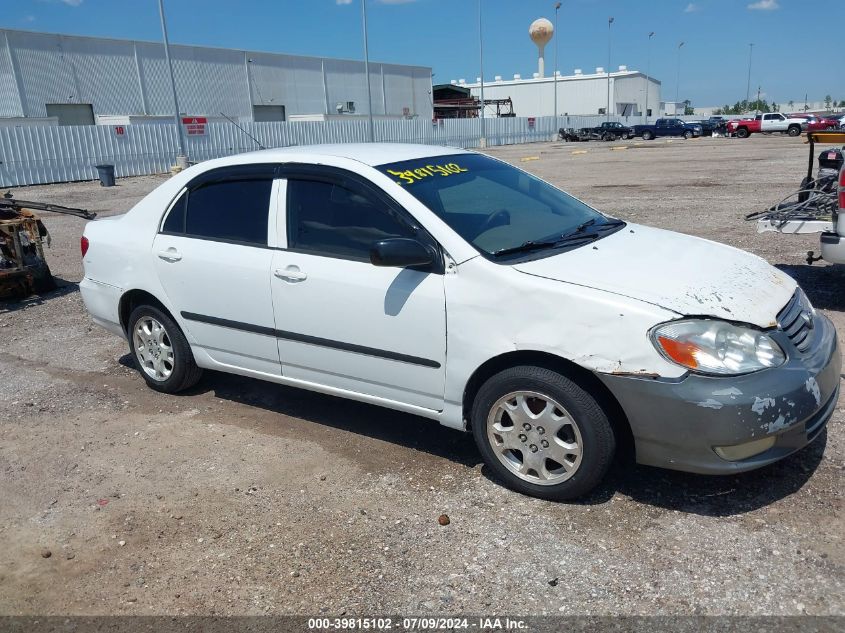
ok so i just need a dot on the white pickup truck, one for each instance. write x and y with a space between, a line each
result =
767 123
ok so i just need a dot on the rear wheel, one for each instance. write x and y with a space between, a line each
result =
541 433
161 352
742 132
648 135
794 130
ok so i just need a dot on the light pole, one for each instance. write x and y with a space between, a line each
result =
647 66
607 110
483 140
678 79
554 83
748 83
181 157
367 73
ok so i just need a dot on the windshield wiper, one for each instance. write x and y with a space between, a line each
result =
525 247
579 231
575 235
581 227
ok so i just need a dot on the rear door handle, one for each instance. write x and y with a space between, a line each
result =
170 255
291 273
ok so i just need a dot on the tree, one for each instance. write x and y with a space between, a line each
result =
791 104
828 101
688 109
842 103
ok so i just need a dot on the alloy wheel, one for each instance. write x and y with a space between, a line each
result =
535 437
153 348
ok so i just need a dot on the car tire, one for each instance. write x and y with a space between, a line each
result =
566 443
647 135
793 130
161 351
742 132
687 135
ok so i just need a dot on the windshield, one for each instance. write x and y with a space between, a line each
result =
501 210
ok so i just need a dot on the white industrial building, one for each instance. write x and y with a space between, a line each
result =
577 94
71 80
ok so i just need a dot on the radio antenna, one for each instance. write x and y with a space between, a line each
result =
232 121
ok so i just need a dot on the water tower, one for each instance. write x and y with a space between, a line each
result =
541 32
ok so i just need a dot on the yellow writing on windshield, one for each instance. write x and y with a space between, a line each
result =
410 176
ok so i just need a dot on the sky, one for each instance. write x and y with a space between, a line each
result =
789 58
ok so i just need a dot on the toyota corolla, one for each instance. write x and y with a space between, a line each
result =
454 286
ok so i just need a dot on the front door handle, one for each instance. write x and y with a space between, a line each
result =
170 255
291 273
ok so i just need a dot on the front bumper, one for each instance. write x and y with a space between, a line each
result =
677 424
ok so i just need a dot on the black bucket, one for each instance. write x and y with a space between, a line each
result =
106 174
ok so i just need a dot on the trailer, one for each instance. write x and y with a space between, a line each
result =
818 206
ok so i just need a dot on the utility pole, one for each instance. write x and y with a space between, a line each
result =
367 73
482 143
647 66
607 110
554 83
181 157
748 83
757 105
678 80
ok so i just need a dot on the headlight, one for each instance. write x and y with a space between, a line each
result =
716 347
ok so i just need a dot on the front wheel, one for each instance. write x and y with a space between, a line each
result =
794 130
161 352
541 433
688 135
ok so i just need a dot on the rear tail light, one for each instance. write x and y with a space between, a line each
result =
83 245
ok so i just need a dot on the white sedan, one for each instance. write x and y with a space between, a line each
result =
451 285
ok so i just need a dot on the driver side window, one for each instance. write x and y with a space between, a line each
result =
333 220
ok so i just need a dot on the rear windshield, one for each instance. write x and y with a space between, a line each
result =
492 205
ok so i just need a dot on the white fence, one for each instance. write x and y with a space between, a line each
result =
44 154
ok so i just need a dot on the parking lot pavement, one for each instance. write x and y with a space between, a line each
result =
243 497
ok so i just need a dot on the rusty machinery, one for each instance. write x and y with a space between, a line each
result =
23 267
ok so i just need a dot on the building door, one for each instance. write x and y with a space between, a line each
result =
71 113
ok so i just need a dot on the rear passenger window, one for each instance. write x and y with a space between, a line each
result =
175 221
232 210
329 219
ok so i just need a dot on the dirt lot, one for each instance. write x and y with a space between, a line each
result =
247 498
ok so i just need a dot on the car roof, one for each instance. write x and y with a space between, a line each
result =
372 154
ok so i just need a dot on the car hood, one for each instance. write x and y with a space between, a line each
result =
687 275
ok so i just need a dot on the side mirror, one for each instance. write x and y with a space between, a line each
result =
400 252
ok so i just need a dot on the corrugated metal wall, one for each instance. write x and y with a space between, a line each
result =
583 95
127 77
43 154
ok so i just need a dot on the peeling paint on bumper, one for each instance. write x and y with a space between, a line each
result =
676 423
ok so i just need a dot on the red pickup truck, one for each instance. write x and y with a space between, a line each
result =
767 123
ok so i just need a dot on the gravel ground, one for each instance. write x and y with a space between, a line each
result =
243 497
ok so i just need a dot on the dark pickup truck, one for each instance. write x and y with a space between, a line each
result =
667 127
607 131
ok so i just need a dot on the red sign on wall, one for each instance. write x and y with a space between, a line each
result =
119 131
195 125
531 122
